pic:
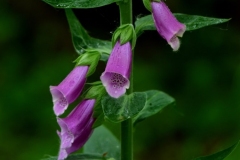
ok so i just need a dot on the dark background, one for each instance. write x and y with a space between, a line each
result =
203 76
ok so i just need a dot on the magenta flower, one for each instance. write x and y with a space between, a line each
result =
167 25
115 78
69 89
76 128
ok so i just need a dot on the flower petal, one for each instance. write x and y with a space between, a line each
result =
115 78
167 25
76 128
59 101
69 89
62 154
65 135
115 84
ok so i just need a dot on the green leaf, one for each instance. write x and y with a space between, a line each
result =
125 107
219 155
103 142
192 22
144 23
156 101
81 157
82 41
195 22
79 3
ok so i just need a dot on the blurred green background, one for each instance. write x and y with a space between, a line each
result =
203 76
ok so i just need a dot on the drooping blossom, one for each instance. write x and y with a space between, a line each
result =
69 89
76 128
115 78
167 25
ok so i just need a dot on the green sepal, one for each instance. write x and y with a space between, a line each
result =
104 55
125 33
97 92
89 59
147 5
95 83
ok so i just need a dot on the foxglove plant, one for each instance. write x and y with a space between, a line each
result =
167 25
76 128
97 106
115 78
69 89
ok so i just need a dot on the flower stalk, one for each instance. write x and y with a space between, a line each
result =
126 126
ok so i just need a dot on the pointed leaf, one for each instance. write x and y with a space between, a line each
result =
196 22
144 23
156 101
79 3
219 155
103 142
125 107
81 157
82 41
192 22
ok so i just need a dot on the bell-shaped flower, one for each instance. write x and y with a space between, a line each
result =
69 89
167 25
115 78
76 128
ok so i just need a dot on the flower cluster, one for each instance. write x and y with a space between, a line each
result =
76 128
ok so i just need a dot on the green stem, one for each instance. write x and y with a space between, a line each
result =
125 12
126 140
126 126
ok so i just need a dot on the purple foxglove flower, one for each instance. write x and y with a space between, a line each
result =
76 128
69 89
167 25
115 78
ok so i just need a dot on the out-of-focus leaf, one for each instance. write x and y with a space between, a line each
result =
79 3
219 155
156 101
103 142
